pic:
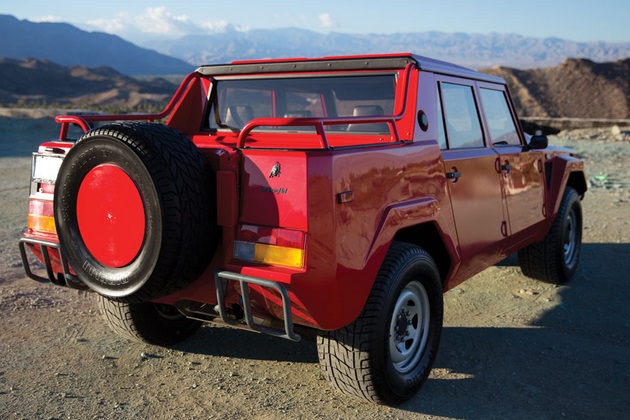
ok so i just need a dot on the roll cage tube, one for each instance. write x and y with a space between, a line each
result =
319 123
83 120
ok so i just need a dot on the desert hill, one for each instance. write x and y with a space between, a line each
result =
41 83
577 88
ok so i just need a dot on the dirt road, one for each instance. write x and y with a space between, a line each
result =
511 347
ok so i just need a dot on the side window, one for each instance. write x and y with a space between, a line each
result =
462 119
500 123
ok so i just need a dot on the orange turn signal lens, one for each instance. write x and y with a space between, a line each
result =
41 223
273 246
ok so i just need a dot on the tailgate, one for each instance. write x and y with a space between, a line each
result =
273 189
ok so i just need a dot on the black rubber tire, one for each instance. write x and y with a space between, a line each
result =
177 190
148 322
359 359
555 259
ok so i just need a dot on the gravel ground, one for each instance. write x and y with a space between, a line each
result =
511 347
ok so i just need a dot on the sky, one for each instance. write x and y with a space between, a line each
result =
143 20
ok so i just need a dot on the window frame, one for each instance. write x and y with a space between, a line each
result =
506 96
328 100
480 117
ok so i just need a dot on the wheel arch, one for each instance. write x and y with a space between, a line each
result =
563 171
577 181
428 236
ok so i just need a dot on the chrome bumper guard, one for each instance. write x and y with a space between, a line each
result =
220 283
65 279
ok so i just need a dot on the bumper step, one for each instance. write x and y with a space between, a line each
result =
220 281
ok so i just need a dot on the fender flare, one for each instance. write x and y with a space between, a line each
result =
563 167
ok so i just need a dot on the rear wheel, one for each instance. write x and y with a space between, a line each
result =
135 211
386 355
555 259
148 322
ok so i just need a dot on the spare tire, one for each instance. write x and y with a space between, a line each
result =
135 211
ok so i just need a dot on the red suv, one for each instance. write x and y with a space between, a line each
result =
335 198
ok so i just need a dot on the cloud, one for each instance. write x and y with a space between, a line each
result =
158 20
154 22
222 26
110 26
326 21
216 26
49 18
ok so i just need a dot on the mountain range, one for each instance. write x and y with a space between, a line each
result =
26 82
471 50
44 64
576 88
67 45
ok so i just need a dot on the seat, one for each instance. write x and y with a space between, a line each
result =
238 115
368 111
298 114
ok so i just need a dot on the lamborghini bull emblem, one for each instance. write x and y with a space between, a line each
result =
275 171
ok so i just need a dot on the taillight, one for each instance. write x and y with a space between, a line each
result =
40 216
273 246
45 167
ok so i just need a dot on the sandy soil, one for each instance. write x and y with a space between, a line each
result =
511 347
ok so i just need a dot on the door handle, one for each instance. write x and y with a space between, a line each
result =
506 167
453 175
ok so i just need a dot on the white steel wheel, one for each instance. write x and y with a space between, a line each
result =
409 327
387 353
570 239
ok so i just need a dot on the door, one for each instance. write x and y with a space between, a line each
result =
475 185
521 169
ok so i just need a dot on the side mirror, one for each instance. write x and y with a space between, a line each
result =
538 141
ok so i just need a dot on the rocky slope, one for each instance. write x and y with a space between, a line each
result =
41 83
577 88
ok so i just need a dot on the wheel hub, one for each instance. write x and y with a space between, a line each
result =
402 323
570 239
409 327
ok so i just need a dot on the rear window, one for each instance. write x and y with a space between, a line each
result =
236 102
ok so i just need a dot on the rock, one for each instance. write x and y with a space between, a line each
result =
616 132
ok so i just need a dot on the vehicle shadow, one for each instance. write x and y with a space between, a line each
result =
235 343
573 361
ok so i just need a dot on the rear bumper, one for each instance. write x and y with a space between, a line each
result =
220 281
59 272
57 269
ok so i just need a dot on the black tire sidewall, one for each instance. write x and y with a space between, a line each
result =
145 322
401 386
85 156
571 202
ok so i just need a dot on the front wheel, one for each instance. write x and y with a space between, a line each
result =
385 356
555 259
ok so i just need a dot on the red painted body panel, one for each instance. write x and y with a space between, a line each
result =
269 199
478 208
